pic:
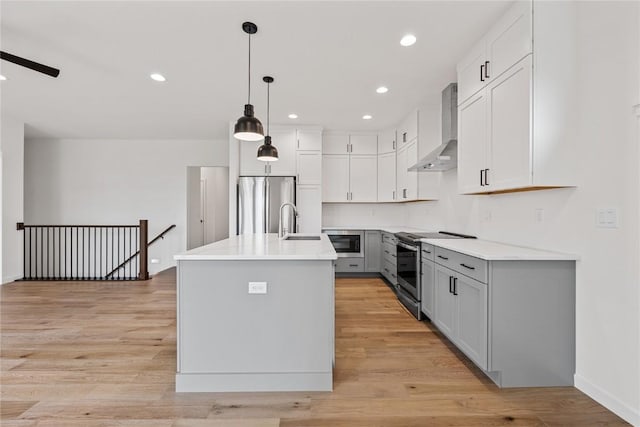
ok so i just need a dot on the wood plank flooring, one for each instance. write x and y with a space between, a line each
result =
103 354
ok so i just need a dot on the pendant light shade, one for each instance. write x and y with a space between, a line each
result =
267 152
248 127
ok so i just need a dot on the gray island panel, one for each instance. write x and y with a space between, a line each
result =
231 340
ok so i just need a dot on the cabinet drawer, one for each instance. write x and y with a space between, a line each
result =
389 271
389 238
350 265
473 267
389 253
427 251
446 258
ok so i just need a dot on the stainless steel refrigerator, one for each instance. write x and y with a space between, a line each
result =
259 201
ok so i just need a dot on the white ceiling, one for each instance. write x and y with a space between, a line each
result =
327 59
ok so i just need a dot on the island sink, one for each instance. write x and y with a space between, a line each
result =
294 237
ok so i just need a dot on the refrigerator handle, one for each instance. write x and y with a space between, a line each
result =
267 210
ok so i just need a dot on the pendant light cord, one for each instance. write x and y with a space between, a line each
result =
268 107
249 92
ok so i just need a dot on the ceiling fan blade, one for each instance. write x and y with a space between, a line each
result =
32 65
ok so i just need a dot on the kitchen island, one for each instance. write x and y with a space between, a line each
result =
256 313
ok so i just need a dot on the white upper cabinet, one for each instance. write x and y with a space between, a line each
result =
506 43
309 140
285 141
471 72
387 141
249 163
335 178
335 143
363 178
472 144
412 177
387 177
408 130
363 144
509 40
309 166
514 133
509 104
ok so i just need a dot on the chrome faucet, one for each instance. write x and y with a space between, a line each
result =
282 231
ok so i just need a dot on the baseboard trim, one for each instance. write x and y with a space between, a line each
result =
606 399
10 279
254 382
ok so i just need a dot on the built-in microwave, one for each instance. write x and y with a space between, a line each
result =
347 243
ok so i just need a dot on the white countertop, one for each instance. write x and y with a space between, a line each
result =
387 228
494 251
263 247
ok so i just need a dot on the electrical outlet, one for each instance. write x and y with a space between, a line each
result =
257 287
155 260
607 218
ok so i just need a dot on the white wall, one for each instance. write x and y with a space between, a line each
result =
12 148
116 182
608 280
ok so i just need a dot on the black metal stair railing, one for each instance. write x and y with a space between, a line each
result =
85 252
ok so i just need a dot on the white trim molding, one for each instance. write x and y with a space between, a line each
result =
606 399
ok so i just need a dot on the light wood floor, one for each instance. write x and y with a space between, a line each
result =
103 354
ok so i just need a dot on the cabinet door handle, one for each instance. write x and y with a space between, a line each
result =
404 193
486 69
486 177
426 251
387 270
394 145
450 284
394 255
298 143
443 257
481 173
467 266
482 72
455 286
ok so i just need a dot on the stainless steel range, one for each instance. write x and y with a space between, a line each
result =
408 247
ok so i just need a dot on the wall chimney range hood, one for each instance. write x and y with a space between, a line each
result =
445 156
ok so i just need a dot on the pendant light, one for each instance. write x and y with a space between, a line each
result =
267 152
249 128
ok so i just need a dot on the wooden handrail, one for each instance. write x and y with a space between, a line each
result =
159 236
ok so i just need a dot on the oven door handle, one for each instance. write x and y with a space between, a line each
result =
411 248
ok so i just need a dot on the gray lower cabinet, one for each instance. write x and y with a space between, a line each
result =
388 258
462 313
350 265
372 257
514 319
427 279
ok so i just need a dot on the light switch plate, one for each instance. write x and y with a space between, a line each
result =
607 218
257 287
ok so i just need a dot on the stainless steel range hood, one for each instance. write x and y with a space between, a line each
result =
445 156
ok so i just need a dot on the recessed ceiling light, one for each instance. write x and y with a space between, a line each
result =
382 89
367 117
408 40
293 116
157 77
2 77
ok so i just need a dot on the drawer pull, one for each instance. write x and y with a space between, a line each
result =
443 257
353 265
394 255
387 251
387 270
467 266
426 251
